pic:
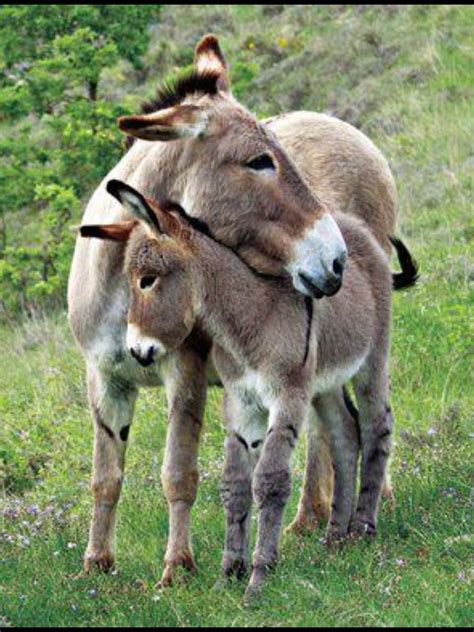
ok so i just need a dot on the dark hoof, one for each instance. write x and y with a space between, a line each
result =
362 529
335 537
103 562
171 574
237 568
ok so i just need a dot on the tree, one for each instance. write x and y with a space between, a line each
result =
58 136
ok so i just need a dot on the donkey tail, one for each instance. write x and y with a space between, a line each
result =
409 274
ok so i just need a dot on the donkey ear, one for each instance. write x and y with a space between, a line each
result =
111 232
180 121
157 218
208 58
134 202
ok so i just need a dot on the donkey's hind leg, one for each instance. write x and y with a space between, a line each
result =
316 496
376 424
343 430
112 405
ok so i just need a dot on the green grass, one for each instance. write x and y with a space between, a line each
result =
408 85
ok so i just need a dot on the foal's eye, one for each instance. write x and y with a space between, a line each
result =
147 281
261 162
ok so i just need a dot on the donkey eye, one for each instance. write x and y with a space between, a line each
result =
261 162
147 281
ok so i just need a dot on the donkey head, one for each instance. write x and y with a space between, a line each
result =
158 264
230 171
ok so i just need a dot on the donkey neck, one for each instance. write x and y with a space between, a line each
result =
234 301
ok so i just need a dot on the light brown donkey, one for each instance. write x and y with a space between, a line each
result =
266 190
277 354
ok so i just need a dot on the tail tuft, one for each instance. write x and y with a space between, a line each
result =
409 274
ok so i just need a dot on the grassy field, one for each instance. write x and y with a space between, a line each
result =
404 75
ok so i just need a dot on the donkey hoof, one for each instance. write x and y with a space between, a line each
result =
362 529
335 536
256 583
103 562
252 595
171 574
237 567
302 525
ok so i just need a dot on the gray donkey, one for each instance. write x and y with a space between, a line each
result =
277 353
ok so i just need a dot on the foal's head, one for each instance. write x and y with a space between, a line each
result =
224 167
159 262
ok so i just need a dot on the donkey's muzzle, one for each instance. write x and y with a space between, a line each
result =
146 358
315 288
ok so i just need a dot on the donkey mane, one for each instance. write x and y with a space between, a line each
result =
174 92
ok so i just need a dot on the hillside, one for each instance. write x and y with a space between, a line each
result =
403 75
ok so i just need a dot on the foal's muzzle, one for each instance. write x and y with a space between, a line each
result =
144 358
143 348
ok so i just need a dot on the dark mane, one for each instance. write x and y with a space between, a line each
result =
174 92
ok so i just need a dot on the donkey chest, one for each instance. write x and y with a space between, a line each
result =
255 391
327 379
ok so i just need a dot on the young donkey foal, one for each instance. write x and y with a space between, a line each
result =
275 361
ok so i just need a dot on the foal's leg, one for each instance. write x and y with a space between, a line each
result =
245 433
315 502
376 424
344 432
272 482
236 495
186 384
112 404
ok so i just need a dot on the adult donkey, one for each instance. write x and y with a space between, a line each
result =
264 190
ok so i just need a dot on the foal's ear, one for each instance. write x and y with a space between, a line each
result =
111 232
179 121
208 58
148 212
134 202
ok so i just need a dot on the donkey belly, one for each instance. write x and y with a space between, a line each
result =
328 379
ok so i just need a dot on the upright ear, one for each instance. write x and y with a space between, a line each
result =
208 58
158 220
112 232
180 121
135 203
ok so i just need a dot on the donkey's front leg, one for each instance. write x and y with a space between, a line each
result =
186 384
236 495
272 482
112 405
246 427
314 507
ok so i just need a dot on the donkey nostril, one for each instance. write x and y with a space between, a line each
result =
337 267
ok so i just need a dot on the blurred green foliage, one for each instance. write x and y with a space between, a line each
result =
401 74
58 134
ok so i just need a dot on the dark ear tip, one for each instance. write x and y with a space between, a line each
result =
113 187
87 231
123 123
209 42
